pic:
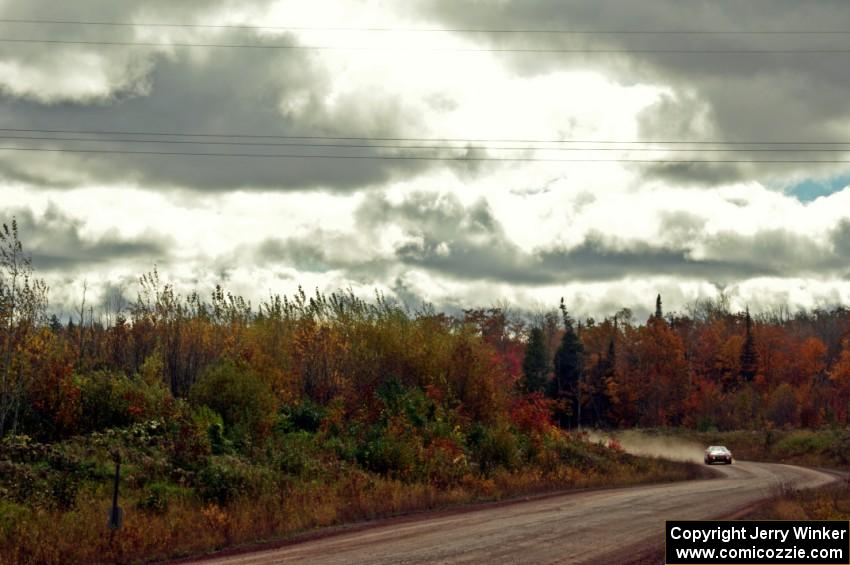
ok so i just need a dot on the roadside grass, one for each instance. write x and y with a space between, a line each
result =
244 502
828 503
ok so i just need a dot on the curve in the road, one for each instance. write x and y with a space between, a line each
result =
570 528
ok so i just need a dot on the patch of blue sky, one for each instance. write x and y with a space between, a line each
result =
811 189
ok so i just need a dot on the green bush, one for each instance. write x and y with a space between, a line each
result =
245 402
227 478
583 455
296 454
411 403
389 455
63 488
800 443
35 485
18 482
22 449
156 497
109 400
305 416
209 421
839 448
103 403
187 441
493 448
345 448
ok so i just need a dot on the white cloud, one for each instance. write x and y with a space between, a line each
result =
604 235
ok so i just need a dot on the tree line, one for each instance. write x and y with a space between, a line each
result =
705 368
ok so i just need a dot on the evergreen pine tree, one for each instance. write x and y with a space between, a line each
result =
535 364
659 314
569 364
749 355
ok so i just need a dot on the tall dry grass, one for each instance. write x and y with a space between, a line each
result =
188 527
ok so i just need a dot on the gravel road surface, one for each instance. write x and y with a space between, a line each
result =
583 527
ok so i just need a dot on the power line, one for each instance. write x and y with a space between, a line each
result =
429 49
418 139
427 147
419 158
423 30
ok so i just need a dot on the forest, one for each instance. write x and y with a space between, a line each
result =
324 408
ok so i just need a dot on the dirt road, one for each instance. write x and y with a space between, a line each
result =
593 526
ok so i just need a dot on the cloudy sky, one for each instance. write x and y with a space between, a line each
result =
602 167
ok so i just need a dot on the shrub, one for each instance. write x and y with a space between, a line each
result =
17 482
156 497
22 448
410 403
494 448
188 440
445 463
102 400
582 455
245 402
304 416
109 400
63 488
227 478
296 454
839 448
211 422
345 448
390 455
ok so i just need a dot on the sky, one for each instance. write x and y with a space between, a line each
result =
557 180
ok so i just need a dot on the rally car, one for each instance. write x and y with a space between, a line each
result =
718 454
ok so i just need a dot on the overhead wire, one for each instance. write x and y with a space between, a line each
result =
425 49
418 29
416 157
784 146
418 139
428 147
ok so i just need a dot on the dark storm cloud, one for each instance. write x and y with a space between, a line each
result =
110 11
230 92
253 91
777 96
322 251
600 258
776 251
840 239
466 242
56 243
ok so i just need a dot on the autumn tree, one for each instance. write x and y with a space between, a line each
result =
661 364
500 330
602 385
23 307
839 376
782 405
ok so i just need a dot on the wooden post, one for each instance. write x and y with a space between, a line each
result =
116 513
